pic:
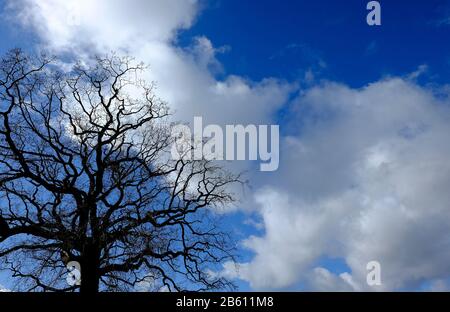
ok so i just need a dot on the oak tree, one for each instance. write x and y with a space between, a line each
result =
86 175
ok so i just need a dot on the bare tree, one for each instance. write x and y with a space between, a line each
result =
86 175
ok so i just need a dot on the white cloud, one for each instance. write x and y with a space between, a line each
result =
147 29
106 24
192 90
320 279
364 178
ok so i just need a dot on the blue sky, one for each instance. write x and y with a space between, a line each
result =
317 56
285 38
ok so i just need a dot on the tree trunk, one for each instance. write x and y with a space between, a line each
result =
90 275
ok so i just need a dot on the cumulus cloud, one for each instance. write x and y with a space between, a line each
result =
321 279
148 31
365 177
106 24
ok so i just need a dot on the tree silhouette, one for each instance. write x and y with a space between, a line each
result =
86 176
